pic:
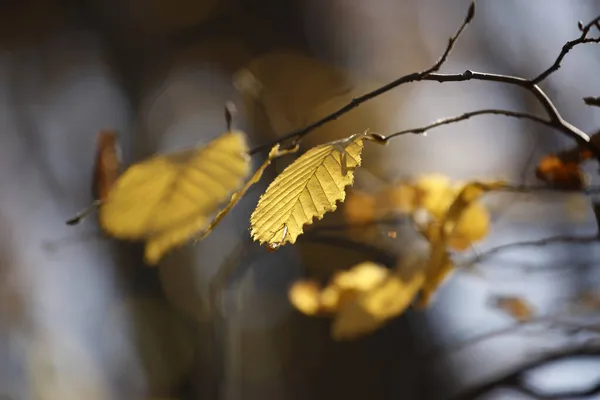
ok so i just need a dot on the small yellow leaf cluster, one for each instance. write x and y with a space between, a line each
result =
428 200
361 299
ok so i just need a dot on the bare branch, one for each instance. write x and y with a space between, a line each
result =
468 115
585 30
554 120
416 76
581 240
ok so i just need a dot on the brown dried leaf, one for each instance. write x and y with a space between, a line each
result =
561 174
107 165
516 307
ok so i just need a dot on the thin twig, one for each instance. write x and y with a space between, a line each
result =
468 115
84 213
416 76
585 30
532 243
554 120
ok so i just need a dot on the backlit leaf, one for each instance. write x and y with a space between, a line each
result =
473 225
443 233
275 152
385 295
308 188
435 194
305 296
361 299
168 199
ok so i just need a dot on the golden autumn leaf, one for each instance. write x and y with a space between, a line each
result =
168 199
435 193
383 295
472 226
442 233
308 188
361 299
516 307
275 152
305 296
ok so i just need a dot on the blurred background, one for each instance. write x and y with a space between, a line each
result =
81 316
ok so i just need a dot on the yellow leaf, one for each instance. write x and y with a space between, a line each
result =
470 193
169 198
516 307
473 225
439 264
434 194
305 296
361 277
388 296
307 188
275 152
361 298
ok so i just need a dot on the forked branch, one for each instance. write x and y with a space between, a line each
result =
553 117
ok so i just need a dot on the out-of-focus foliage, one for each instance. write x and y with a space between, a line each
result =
516 307
237 196
361 299
167 199
563 174
308 188
449 216
437 206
